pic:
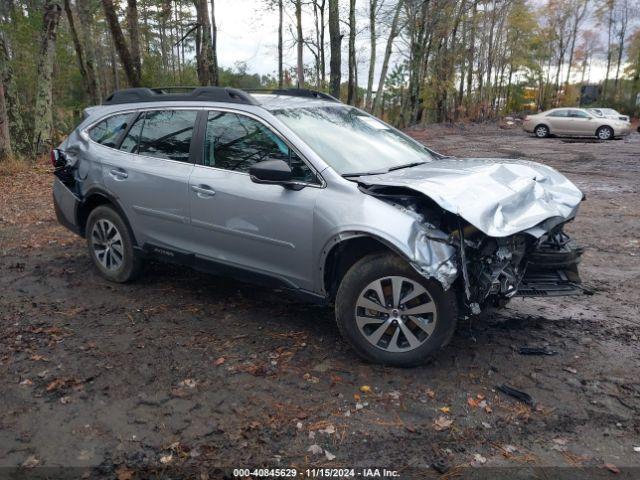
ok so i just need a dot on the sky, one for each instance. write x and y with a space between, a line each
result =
248 32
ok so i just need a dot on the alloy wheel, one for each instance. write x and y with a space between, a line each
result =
604 134
107 245
396 314
541 132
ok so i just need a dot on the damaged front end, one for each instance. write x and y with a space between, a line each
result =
487 271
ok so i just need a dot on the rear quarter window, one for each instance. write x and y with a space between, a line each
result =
109 131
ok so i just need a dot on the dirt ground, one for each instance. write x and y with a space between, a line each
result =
181 370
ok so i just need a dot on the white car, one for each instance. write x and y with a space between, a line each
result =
609 113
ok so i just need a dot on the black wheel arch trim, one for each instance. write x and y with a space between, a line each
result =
112 200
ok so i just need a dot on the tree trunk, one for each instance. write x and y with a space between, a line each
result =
335 39
76 43
134 35
609 30
280 21
377 102
42 137
352 94
5 138
373 4
214 45
299 44
323 66
129 64
86 38
204 50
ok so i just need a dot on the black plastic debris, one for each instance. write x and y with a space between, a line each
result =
525 350
519 395
440 465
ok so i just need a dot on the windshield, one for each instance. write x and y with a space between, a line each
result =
351 141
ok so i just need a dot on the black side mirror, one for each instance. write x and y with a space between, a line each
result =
271 171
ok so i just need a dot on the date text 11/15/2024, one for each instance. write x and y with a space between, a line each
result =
316 473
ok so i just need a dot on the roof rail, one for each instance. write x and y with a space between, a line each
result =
194 94
296 92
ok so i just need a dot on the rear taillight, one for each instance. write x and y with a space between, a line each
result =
54 158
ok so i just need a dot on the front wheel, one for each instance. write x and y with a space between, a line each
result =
605 133
392 315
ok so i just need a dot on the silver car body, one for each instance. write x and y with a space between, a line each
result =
575 122
288 235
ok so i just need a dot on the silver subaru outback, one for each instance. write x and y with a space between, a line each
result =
295 190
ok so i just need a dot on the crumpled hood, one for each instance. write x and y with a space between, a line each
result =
499 197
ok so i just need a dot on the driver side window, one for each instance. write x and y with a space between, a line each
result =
236 142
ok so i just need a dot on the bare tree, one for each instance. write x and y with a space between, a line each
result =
43 114
280 21
299 44
207 71
393 33
335 41
131 69
352 85
373 11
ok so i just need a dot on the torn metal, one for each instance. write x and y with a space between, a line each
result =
496 228
498 197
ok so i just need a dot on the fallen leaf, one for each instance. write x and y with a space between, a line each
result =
479 459
442 423
636 449
612 468
315 449
165 459
54 385
188 382
570 370
218 361
359 406
329 430
472 402
66 399
356 397
26 382
330 456
445 409
31 462
430 393
365 389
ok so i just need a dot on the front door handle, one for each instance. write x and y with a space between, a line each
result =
121 174
203 191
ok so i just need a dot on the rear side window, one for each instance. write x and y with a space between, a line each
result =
167 134
559 113
108 131
578 114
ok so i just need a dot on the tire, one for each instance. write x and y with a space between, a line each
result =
541 131
390 270
604 133
110 246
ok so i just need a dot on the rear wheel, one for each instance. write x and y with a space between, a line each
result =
541 131
604 133
392 315
110 245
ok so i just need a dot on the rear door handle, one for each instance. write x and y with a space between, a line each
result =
119 173
203 191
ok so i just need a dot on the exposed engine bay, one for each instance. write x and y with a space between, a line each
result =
488 271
